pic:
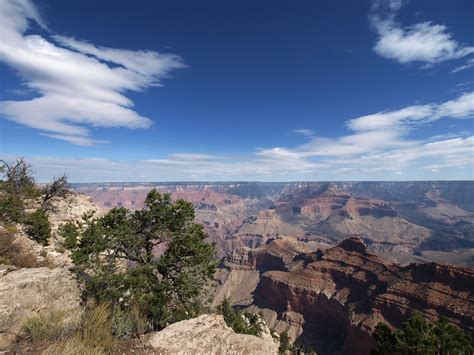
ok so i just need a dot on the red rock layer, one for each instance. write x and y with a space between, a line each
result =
345 292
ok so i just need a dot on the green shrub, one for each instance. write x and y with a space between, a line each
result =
418 336
10 228
128 323
69 231
243 323
284 343
38 227
11 208
17 186
18 190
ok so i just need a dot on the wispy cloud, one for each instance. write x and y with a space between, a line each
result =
423 42
461 107
378 146
469 64
381 142
79 84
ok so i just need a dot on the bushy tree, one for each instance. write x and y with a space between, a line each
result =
18 178
38 227
244 323
418 336
155 258
17 188
58 188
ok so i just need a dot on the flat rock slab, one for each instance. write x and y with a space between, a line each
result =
208 334
26 292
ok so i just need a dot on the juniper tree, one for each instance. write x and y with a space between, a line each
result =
155 258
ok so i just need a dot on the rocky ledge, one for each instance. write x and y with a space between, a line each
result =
209 334
29 292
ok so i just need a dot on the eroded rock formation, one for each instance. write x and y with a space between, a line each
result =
333 299
404 221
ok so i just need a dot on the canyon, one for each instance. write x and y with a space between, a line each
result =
326 262
333 299
418 221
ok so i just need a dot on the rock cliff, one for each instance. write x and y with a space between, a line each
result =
333 299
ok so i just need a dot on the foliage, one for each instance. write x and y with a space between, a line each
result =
94 336
17 188
11 208
58 188
48 326
18 179
418 336
285 345
299 347
117 258
128 323
69 232
244 323
38 227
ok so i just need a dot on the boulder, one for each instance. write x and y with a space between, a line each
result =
209 334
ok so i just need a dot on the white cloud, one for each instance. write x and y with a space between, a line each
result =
77 140
469 64
372 150
422 42
79 84
381 142
461 107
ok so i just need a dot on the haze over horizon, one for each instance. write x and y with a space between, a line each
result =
238 90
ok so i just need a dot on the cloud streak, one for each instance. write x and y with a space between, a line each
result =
378 146
423 42
79 84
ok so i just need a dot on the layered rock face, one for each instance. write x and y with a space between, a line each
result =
334 214
334 299
209 334
404 221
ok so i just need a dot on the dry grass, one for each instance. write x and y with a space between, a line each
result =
94 336
13 254
49 326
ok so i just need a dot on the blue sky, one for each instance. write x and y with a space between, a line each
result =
238 90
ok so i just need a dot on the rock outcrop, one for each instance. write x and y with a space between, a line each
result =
333 299
209 334
28 292
70 208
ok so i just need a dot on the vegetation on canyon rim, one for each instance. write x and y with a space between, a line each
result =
19 192
418 336
155 259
